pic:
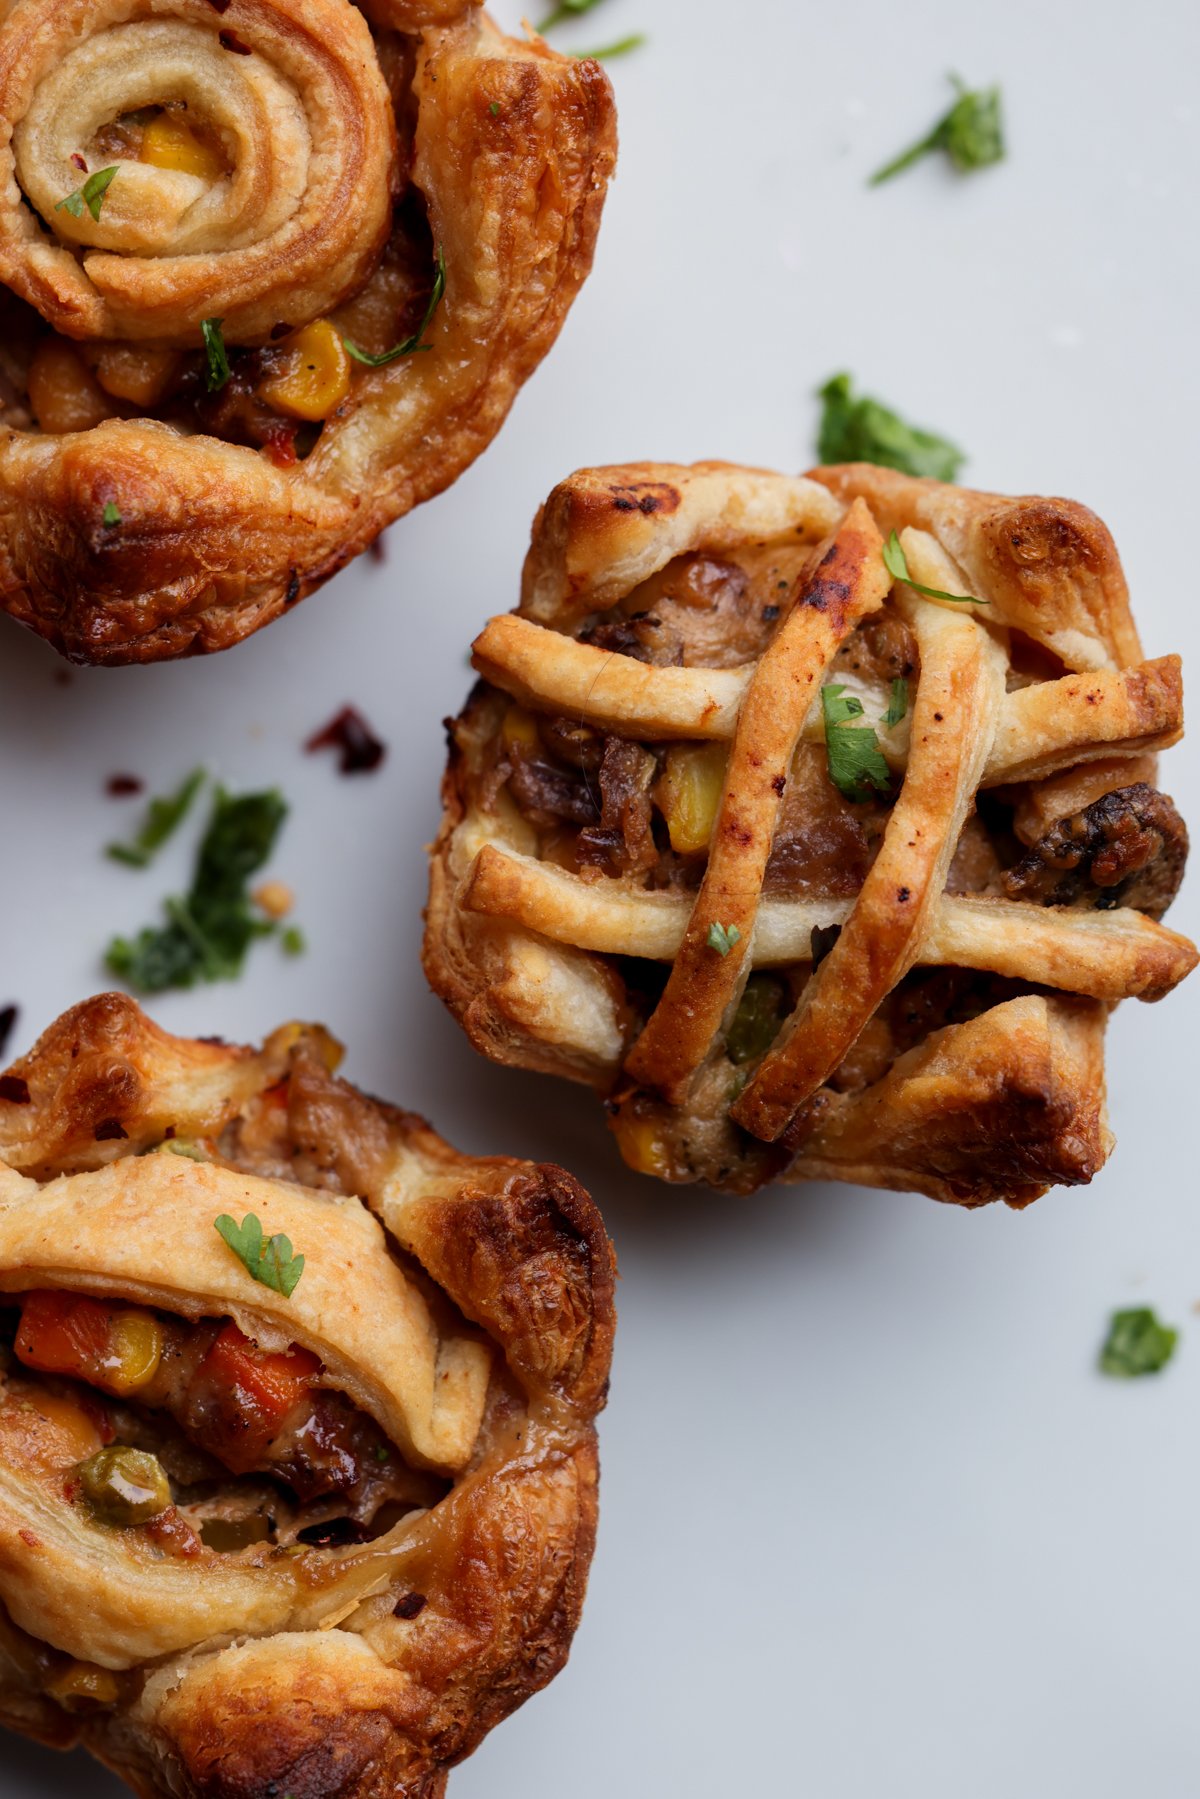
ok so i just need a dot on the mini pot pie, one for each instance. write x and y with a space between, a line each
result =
275 271
310 1530
813 822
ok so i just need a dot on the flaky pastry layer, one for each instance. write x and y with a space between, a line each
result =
903 984
462 1307
345 150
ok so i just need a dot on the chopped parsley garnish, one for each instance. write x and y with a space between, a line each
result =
898 704
565 9
856 762
163 816
91 194
722 937
494 109
606 52
896 563
271 1262
112 513
865 430
971 134
411 345
217 372
1137 1344
209 929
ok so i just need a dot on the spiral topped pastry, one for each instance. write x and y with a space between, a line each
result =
275 270
310 1524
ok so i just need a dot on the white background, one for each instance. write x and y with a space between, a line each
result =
872 1525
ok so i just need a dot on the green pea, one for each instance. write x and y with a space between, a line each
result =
757 1020
125 1486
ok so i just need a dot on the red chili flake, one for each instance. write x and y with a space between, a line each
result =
108 1130
281 445
359 750
14 1089
79 161
30 1538
411 1606
8 1018
123 787
229 40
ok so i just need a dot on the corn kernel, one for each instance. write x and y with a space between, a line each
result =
641 1146
275 898
168 142
313 378
689 794
81 1684
135 1349
519 730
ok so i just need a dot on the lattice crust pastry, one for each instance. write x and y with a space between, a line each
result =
260 1544
291 169
646 878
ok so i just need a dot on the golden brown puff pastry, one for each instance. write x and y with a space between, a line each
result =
296 170
647 879
255 1541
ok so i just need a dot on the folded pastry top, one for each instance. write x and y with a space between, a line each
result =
296 1416
275 271
813 821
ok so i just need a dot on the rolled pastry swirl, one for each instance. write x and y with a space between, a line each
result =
225 228
379 1485
291 213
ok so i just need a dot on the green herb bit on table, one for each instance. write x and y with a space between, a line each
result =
209 929
163 817
575 9
1137 1344
411 345
896 564
971 134
856 762
863 429
91 195
269 1262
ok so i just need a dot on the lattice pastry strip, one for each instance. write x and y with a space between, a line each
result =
325 1537
654 615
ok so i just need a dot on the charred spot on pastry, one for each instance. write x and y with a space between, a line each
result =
260 317
243 1475
718 870
109 1130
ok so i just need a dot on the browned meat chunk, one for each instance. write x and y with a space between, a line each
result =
1127 848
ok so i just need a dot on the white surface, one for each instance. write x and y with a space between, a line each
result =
872 1526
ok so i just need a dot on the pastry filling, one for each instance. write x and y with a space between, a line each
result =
193 1433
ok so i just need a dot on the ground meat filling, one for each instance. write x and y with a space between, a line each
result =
1128 848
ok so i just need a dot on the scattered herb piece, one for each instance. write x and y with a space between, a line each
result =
865 430
91 194
896 563
8 1018
271 1262
494 109
210 929
722 937
411 345
565 9
217 373
382 1453
112 513
1137 1344
856 763
971 134
163 816
757 1020
293 941
898 704
359 750
606 52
